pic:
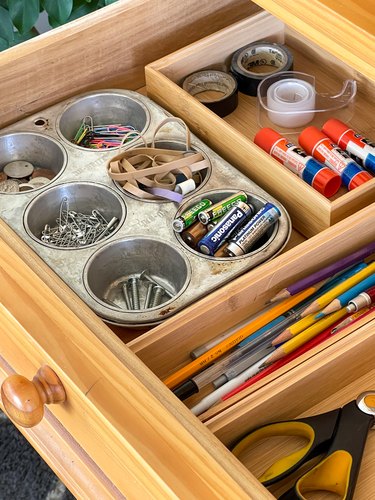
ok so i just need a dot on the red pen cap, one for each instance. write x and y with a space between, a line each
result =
266 138
334 129
309 137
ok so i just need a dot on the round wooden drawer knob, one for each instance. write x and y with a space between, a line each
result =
24 399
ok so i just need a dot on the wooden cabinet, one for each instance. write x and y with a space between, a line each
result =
123 430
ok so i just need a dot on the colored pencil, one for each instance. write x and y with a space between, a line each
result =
351 319
307 321
227 344
343 299
326 298
325 272
321 337
293 344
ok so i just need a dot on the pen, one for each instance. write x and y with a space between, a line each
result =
365 298
217 351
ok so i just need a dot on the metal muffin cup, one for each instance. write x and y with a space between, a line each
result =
104 108
41 151
125 275
270 244
82 198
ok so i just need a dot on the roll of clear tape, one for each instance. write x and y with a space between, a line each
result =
291 102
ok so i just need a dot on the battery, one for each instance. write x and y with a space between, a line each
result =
193 234
188 217
253 230
220 208
224 228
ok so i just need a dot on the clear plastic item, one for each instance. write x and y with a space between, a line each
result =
289 101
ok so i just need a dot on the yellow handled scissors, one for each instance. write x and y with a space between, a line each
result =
340 434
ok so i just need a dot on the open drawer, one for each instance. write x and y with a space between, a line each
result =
233 135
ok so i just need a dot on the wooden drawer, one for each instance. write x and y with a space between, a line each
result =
233 135
126 431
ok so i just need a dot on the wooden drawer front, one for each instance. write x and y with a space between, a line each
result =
128 431
166 348
330 379
232 136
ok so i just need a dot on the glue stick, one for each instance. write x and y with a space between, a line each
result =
320 177
351 141
323 149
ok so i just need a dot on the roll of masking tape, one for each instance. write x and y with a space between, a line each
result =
215 89
254 62
291 102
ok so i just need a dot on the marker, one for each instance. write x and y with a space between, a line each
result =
314 173
321 147
353 142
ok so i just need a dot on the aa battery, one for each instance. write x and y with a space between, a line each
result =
320 147
222 207
224 228
253 230
353 142
188 217
193 234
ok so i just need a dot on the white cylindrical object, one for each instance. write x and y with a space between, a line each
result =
287 99
185 187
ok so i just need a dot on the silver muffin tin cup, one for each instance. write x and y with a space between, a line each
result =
143 240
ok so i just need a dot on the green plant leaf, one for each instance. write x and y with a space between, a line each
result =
4 3
108 2
24 13
4 44
22 37
6 25
81 8
58 10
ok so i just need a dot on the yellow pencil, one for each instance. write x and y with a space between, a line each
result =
293 344
295 329
234 339
326 298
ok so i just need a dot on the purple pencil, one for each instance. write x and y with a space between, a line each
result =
326 272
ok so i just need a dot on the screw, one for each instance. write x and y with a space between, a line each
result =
125 292
145 276
149 295
158 294
133 284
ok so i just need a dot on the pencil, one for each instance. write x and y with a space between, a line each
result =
293 344
326 298
325 272
304 323
321 337
227 344
343 299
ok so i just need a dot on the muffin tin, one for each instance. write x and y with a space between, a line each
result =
142 243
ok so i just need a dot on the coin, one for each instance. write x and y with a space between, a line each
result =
25 186
43 172
3 177
9 186
18 169
39 181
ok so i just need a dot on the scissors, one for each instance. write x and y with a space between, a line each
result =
338 434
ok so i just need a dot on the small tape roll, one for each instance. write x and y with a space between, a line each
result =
254 62
185 187
215 89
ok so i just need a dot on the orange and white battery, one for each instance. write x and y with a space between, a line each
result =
324 150
320 177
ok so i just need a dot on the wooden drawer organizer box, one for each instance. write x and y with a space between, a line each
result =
121 432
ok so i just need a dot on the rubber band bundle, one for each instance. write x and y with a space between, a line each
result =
149 172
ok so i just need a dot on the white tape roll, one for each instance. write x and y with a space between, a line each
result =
291 102
185 187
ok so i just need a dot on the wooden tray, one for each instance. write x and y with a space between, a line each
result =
232 136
